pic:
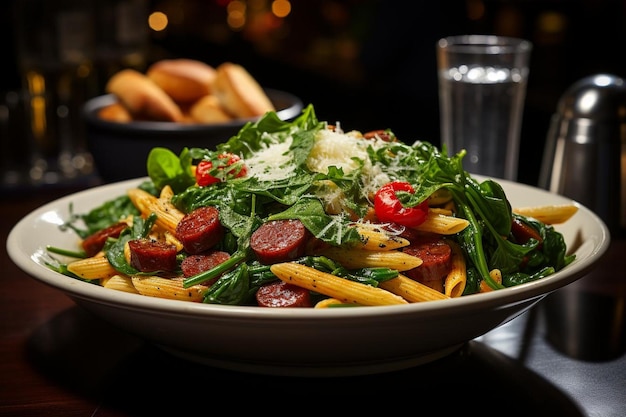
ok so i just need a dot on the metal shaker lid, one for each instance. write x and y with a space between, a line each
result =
585 153
600 97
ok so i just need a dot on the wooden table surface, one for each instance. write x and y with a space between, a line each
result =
58 360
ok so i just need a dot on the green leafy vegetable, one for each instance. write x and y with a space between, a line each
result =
292 190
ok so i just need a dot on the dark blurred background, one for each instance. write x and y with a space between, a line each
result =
370 64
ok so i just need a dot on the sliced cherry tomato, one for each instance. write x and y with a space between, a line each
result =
207 175
389 208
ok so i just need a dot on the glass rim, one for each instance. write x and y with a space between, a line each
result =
494 44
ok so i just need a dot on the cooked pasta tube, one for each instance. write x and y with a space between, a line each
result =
440 197
119 283
166 193
329 302
455 281
170 238
168 216
435 284
157 233
375 238
411 290
496 276
358 258
96 267
154 286
441 210
342 289
442 224
550 214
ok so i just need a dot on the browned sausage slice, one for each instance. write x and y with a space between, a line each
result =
279 241
524 232
94 243
436 255
147 255
200 230
194 264
283 294
381 134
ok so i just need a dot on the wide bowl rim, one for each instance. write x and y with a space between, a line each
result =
31 263
92 105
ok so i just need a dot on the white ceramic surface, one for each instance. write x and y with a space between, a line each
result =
302 342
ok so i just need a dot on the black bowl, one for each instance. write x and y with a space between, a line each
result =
120 150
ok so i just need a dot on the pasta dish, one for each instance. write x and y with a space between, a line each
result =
302 214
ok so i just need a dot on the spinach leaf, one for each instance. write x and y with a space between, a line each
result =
165 168
330 229
232 288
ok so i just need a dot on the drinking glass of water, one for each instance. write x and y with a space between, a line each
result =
482 89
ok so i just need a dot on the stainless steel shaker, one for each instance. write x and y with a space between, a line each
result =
585 151
585 159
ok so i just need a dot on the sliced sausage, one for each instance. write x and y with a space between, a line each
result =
384 135
194 264
523 232
200 230
94 243
279 241
436 255
147 255
283 294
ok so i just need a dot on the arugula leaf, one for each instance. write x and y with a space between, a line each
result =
104 215
286 191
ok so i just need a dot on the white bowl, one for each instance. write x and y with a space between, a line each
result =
302 342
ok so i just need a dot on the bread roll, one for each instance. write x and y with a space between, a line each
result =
115 112
142 97
184 80
239 93
208 110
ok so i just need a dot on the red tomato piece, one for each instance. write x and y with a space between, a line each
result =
204 168
389 208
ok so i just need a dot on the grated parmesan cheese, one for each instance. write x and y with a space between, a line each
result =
335 148
272 163
331 148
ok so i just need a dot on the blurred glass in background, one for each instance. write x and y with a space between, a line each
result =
64 52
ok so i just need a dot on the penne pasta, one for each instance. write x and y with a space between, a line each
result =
170 238
440 210
435 284
357 258
440 197
168 216
496 275
119 283
96 267
330 302
342 289
550 214
455 281
154 286
442 224
373 237
166 193
412 290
